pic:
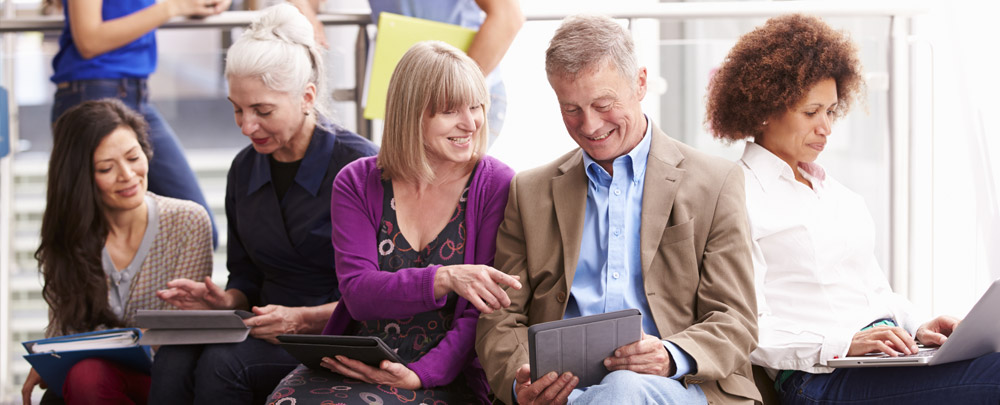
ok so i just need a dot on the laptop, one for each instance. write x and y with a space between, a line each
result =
976 335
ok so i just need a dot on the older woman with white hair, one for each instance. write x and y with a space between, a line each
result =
280 257
415 243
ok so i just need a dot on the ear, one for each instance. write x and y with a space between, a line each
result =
309 97
640 87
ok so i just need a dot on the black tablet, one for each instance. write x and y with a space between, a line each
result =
580 345
311 349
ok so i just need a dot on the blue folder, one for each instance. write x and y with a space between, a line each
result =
53 366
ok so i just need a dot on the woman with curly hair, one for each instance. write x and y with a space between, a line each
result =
820 292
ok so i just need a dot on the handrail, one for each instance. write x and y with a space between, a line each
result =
228 19
540 12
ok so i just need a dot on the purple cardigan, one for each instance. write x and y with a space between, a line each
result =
368 293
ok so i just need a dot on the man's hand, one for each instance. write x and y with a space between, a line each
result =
936 331
550 389
273 320
647 356
389 373
891 340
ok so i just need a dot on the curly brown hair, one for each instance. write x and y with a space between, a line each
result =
773 67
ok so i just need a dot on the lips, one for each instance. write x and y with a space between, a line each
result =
600 137
259 141
817 146
128 191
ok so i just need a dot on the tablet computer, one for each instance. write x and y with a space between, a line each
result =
311 349
580 345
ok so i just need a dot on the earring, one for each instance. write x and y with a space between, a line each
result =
306 113
763 123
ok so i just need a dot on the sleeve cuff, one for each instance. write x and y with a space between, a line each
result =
682 360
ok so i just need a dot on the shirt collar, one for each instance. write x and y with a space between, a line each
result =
768 167
311 171
636 157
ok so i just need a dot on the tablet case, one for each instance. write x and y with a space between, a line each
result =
53 366
311 349
173 327
580 345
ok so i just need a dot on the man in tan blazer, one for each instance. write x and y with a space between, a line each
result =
631 219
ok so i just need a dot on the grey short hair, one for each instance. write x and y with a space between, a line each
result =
586 42
279 48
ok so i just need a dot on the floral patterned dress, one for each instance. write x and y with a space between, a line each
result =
411 338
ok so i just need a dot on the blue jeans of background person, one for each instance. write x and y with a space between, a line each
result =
629 387
234 373
975 381
497 113
170 175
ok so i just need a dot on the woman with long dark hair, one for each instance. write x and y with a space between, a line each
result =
107 244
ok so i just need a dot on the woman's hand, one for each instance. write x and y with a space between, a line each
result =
29 386
936 331
274 320
197 8
479 284
891 340
389 373
187 294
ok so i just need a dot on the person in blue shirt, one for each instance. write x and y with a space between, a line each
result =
632 219
107 50
497 22
280 255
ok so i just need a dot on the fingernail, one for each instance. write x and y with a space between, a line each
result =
607 362
567 376
618 353
552 375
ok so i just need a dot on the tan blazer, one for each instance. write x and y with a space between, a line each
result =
696 265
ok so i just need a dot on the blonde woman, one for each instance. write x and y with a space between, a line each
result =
415 241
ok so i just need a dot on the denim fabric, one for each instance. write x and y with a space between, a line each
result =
236 373
975 381
498 111
628 387
170 174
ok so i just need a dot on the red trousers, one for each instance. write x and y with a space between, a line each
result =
98 381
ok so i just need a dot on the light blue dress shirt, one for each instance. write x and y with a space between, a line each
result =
609 273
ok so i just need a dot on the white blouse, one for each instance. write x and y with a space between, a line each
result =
818 282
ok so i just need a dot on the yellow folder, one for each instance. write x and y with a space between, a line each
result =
396 34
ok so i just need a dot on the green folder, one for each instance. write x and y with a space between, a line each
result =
396 34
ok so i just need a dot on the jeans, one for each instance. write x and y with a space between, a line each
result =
170 175
498 111
235 373
975 381
628 387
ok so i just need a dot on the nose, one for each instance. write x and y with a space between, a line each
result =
125 173
824 126
248 125
590 122
468 118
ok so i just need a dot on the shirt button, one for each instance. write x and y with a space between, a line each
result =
615 275
618 191
618 231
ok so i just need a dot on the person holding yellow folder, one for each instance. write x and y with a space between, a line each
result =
497 22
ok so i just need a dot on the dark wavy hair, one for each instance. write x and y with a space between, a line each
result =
773 67
74 227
